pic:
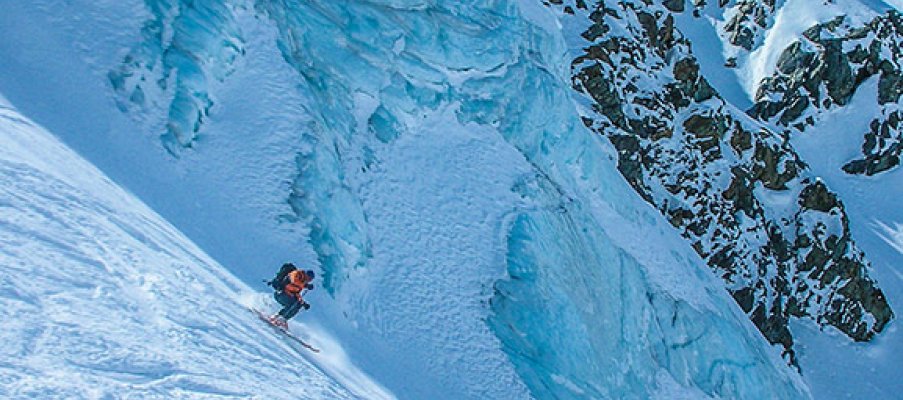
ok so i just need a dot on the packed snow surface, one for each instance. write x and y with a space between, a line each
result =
102 298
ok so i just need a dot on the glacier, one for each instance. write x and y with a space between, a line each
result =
435 166
187 43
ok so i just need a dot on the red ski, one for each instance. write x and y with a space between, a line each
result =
284 331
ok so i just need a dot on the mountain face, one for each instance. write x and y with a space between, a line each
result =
512 199
825 68
735 187
738 191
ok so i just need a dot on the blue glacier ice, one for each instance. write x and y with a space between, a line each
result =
186 43
581 318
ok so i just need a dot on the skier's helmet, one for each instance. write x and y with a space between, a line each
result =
310 274
289 265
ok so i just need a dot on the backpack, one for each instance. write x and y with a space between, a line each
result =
281 278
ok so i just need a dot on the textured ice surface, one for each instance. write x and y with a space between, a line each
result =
185 44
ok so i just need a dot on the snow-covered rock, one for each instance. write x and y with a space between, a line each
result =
738 191
824 69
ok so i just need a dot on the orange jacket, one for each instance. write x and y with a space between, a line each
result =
297 280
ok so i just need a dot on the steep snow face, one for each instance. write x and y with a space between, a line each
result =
100 297
870 370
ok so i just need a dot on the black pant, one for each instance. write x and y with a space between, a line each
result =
290 305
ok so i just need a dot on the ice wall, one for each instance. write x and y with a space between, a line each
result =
185 45
581 317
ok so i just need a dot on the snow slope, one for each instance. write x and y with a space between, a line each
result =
229 198
102 298
875 369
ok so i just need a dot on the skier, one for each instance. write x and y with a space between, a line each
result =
289 283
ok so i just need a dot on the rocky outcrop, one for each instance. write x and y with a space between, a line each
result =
776 235
749 18
822 72
882 146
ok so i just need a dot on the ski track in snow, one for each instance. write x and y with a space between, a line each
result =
101 298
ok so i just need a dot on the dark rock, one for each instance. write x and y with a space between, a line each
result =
741 140
704 91
744 298
705 127
740 193
882 147
674 5
817 197
645 83
837 72
890 87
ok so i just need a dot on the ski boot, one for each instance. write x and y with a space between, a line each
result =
278 321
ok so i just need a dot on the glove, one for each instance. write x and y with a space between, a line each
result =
305 306
309 286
